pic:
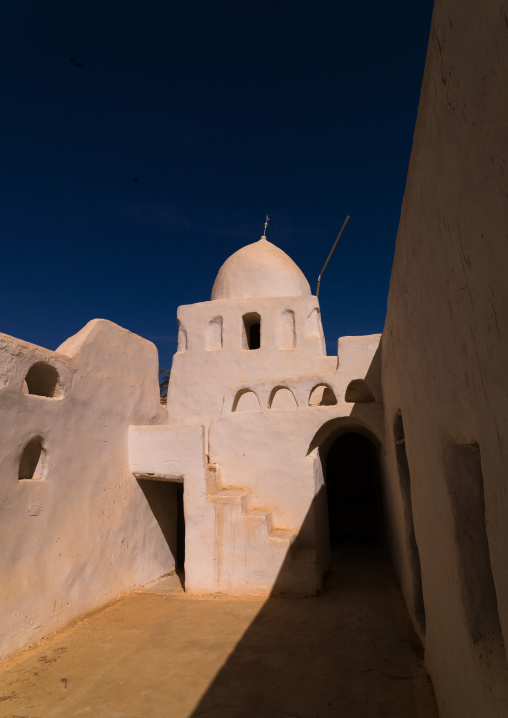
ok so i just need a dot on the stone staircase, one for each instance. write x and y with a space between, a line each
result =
253 555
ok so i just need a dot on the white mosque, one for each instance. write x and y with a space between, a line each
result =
268 451
105 489
254 404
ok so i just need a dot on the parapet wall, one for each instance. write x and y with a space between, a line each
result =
445 348
75 528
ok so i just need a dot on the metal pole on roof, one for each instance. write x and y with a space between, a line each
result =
329 256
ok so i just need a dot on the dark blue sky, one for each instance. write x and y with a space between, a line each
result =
223 111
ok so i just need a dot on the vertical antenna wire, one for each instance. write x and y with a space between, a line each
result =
334 245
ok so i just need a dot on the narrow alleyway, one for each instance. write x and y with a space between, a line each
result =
350 653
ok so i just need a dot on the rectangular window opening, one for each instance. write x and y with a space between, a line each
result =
251 331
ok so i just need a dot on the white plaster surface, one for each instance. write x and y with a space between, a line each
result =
267 480
82 533
165 453
97 518
259 270
445 345
267 454
199 376
261 512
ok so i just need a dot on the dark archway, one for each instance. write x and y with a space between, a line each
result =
353 491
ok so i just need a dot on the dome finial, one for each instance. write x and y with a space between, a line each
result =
266 225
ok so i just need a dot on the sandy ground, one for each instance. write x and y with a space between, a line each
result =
350 653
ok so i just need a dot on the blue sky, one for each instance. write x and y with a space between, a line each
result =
129 174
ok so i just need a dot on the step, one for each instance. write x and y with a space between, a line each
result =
262 516
283 536
230 496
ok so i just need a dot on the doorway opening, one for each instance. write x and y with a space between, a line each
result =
353 489
165 499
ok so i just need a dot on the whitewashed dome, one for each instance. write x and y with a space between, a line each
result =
259 270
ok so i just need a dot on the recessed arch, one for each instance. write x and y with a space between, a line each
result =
42 379
246 400
182 338
330 430
322 395
335 478
283 399
359 392
213 335
33 460
287 330
314 330
314 326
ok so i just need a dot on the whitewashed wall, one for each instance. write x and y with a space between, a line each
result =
445 349
80 532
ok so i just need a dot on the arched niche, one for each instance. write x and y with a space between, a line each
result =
246 400
314 326
42 380
282 399
32 461
213 335
322 395
359 392
182 339
287 330
314 330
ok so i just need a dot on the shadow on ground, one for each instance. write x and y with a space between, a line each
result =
350 652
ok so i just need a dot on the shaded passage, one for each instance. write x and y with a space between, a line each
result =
350 653
353 491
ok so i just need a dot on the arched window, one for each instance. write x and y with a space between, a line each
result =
42 380
246 400
31 465
213 335
322 395
359 392
251 331
283 399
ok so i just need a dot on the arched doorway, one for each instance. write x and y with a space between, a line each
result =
353 490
